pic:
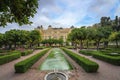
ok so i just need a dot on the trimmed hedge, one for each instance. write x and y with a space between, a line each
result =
86 64
41 47
85 52
10 57
24 65
70 47
27 52
110 59
102 55
4 51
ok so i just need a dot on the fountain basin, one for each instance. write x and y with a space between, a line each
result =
56 76
55 60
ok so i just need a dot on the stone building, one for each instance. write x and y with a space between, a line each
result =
54 33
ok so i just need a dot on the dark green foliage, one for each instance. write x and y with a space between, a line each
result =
104 55
20 39
34 38
18 11
87 65
24 65
110 59
51 41
88 52
110 53
10 57
27 52
113 50
4 51
40 47
70 47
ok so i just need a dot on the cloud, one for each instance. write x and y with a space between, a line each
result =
117 13
62 12
102 7
65 13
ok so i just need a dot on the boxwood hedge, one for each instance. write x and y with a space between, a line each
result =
26 52
86 64
103 56
70 47
10 57
24 65
41 47
110 59
85 52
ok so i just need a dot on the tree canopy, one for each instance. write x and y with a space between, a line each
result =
52 41
18 11
20 38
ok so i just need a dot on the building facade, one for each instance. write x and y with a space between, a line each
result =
54 33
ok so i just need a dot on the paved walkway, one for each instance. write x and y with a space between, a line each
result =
106 71
7 70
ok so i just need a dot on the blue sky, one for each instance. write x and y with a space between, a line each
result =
65 13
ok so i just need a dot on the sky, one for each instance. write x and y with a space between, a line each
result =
65 13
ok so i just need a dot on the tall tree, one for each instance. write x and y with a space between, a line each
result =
106 31
13 37
105 21
78 35
89 35
18 11
34 38
24 37
116 24
81 35
115 36
73 38
1 40
98 36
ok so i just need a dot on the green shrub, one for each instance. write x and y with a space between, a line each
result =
114 55
27 52
4 51
2 54
41 47
85 52
104 55
24 65
113 50
110 59
87 65
69 47
10 57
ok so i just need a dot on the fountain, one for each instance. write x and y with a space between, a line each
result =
56 76
55 62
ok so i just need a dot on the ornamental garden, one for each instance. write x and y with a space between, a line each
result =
86 53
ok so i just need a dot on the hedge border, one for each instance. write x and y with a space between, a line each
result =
24 65
7 58
85 52
110 59
26 52
115 60
86 64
